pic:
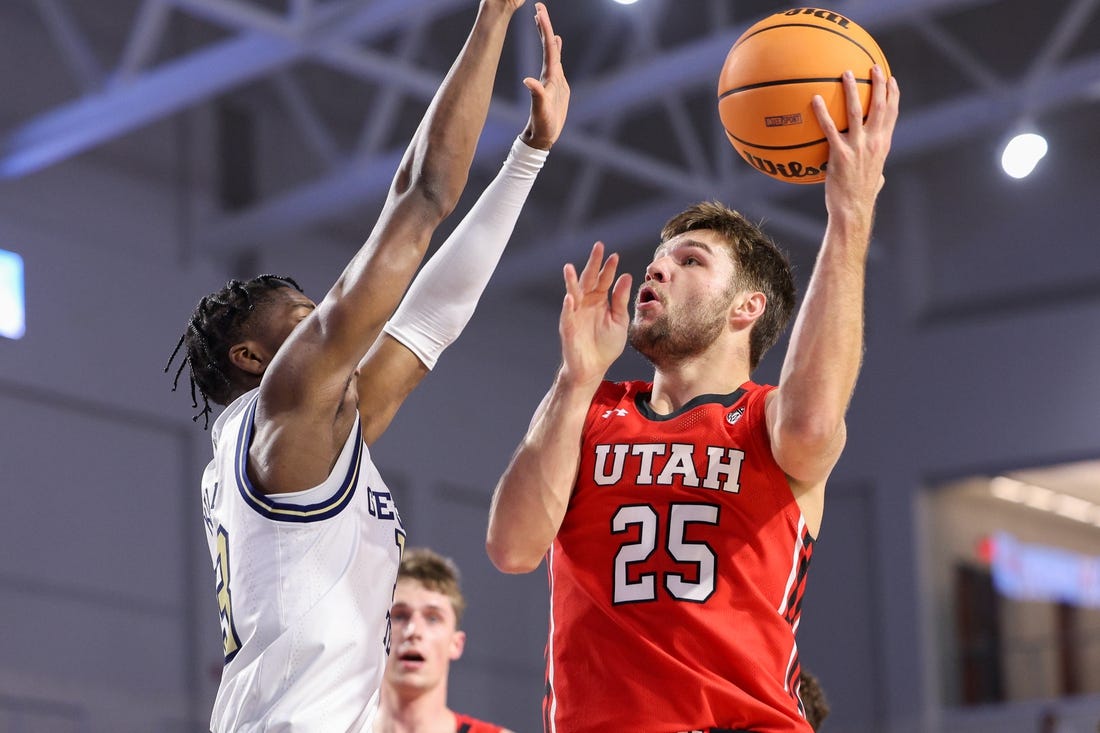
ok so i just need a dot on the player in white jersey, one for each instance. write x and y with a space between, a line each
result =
304 624
304 536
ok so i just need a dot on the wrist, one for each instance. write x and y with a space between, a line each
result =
573 387
501 8
537 142
526 153
852 223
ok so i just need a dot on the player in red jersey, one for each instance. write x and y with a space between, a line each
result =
427 608
678 516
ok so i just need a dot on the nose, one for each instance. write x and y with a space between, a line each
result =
410 629
657 270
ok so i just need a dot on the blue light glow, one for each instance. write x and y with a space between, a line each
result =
1040 573
12 314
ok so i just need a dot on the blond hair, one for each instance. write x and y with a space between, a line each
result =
436 573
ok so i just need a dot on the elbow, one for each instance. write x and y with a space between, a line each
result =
807 453
437 199
812 432
510 560
435 195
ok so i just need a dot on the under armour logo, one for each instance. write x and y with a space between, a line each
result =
617 411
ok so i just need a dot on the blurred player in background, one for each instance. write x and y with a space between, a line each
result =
427 611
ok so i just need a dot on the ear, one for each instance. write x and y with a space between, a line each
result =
746 308
248 357
458 644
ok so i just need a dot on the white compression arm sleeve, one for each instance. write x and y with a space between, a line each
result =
444 294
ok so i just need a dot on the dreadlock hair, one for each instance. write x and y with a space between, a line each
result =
760 265
218 322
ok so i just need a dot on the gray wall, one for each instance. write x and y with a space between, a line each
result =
109 621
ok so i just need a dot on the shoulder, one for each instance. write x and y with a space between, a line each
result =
752 389
468 724
755 405
756 395
233 411
615 392
614 397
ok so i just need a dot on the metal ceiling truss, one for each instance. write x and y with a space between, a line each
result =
267 44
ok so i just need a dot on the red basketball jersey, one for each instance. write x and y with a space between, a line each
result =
466 724
676 578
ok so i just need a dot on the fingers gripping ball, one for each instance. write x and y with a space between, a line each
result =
773 71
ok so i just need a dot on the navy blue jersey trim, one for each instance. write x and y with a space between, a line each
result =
269 506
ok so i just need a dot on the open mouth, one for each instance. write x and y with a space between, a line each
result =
646 295
411 657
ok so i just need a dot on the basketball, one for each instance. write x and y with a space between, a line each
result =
773 71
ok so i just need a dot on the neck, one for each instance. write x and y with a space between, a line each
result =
715 371
414 711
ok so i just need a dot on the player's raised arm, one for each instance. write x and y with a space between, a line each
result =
322 353
806 413
445 293
305 398
532 495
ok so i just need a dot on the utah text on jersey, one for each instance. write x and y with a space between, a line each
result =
667 464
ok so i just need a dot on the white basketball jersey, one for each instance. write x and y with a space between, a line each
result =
304 584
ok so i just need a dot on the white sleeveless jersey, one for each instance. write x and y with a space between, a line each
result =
304 584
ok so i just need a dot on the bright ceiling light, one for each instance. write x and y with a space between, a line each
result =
1023 153
626 2
1045 500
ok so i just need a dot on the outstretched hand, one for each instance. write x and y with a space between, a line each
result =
592 327
857 157
550 92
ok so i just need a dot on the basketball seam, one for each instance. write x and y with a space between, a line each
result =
851 40
808 25
782 147
777 147
783 82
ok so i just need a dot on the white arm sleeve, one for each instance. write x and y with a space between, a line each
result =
443 296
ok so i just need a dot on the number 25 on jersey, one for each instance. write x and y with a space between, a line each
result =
648 521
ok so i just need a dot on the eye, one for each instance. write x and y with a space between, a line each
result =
692 260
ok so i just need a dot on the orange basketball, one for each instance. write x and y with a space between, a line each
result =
773 71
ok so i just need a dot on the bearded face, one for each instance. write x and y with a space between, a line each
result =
679 331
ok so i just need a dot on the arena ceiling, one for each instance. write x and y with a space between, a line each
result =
294 113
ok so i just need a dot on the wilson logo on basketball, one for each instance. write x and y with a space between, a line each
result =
792 170
828 15
781 120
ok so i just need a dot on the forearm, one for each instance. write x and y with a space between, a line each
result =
826 345
531 498
425 189
806 413
445 293
438 158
